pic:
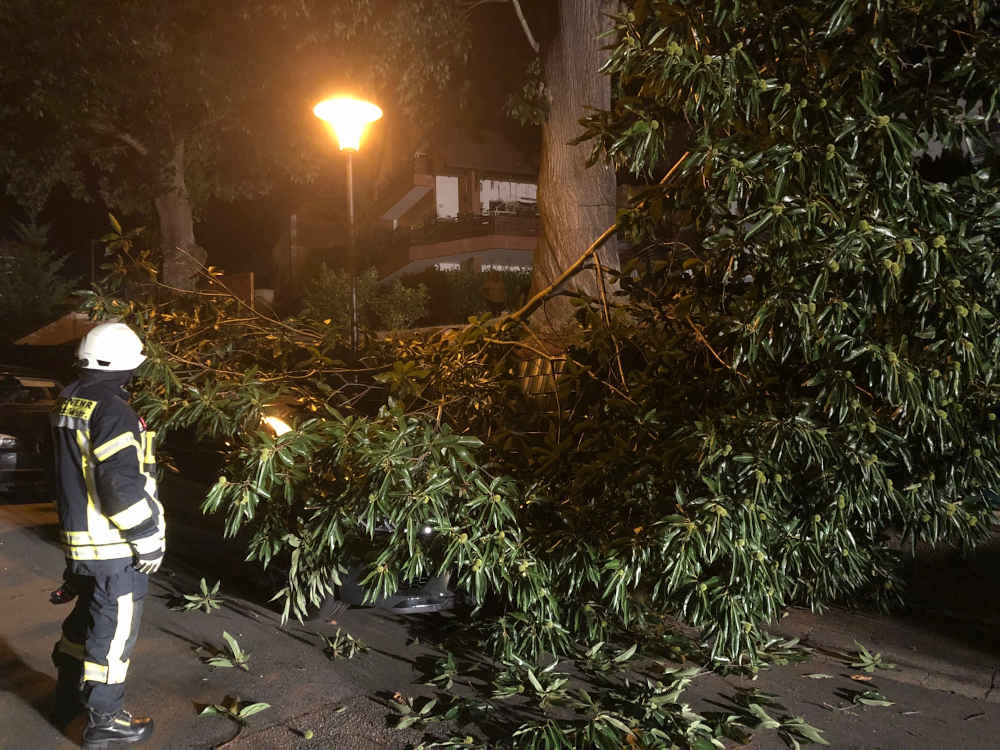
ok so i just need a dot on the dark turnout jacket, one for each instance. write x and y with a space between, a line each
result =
108 508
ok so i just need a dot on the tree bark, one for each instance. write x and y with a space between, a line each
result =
182 256
576 203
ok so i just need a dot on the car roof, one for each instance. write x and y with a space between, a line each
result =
25 372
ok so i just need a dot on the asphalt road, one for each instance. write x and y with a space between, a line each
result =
340 701
167 679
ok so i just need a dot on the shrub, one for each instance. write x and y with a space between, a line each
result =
458 295
33 287
387 306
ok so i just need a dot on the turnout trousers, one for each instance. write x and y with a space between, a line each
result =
93 655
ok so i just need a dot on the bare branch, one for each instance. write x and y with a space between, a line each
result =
203 272
471 5
702 339
135 143
126 138
551 358
532 303
599 269
524 25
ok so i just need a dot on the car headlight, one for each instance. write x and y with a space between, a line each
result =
279 426
7 442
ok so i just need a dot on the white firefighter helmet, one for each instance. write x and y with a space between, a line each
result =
112 347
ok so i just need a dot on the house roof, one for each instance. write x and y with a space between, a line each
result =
70 327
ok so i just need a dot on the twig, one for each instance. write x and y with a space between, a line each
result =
563 358
194 292
201 366
862 390
202 271
126 138
599 270
440 413
538 352
532 303
702 339
470 6
524 25
250 308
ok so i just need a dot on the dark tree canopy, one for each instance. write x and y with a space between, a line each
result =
147 103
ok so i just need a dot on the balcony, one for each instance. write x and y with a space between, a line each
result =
506 237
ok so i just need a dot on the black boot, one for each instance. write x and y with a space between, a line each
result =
104 729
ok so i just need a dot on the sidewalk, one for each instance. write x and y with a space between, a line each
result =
923 655
948 640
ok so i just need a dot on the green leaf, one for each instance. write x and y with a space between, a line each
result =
764 720
626 654
534 682
872 698
253 708
616 723
407 721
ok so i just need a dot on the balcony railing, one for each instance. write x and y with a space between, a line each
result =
445 230
391 248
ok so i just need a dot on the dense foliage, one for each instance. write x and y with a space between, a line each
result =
829 296
803 363
811 347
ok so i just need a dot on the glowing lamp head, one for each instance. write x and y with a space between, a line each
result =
348 118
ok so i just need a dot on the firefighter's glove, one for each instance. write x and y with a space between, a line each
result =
148 562
66 592
62 595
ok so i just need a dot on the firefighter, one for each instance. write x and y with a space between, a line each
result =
112 530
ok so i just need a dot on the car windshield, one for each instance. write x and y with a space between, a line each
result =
19 389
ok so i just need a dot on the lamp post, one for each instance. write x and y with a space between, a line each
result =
349 117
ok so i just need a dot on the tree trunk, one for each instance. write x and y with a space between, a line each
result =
576 203
182 256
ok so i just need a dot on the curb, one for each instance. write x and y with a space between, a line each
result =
922 658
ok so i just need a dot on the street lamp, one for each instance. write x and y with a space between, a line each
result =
349 117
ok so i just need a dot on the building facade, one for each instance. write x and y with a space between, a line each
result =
462 199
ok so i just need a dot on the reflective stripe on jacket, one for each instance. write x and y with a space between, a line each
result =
107 501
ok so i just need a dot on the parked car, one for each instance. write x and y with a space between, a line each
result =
200 460
26 398
424 594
